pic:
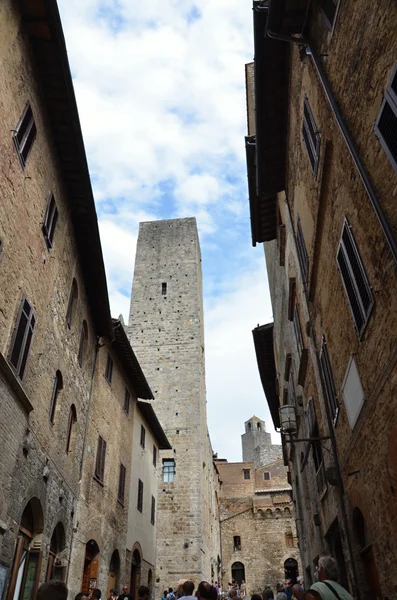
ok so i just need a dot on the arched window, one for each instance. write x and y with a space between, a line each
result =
71 435
74 294
90 570
56 388
83 343
269 513
114 571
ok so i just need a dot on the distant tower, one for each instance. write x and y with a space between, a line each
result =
257 444
167 332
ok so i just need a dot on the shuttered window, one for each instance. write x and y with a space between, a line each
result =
120 496
143 436
386 123
302 252
298 331
328 8
50 221
354 279
140 495
22 338
100 459
109 369
329 381
24 134
311 136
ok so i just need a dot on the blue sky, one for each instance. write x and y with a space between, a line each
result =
160 90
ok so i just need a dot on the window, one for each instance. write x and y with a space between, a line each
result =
386 123
25 134
329 8
83 342
74 293
143 436
56 388
154 456
354 279
247 473
236 543
109 369
329 380
311 136
281 239
258 426
289 537
50 221
302 252
291 391
164 289
298 331
100 459
153 511
71 429
127 400
140 495
120 495
168 470
266 476
353 392
22 338
288 364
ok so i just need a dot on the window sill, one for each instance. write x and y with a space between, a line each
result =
95 478
15 384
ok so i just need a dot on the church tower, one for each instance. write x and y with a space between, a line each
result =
166 330
257 444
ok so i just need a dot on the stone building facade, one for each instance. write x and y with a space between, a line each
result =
258 533
321 167
55 334
166 329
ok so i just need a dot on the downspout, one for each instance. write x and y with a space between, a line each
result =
97 347
340 486
343 129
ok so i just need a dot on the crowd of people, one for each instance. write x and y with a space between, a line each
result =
326 588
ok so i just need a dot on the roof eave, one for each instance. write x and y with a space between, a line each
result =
263 341
147 411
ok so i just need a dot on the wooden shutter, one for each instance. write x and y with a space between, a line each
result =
329 380
302 252
311 136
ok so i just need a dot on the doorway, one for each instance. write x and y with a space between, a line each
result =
114 573
334 542
291 570
364 546
135 573
238 572
26 567
55 570
90 572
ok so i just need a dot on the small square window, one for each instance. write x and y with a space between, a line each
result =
164 289
266 476
109 369
143 436
247 473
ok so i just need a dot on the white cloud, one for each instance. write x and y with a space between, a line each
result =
162 106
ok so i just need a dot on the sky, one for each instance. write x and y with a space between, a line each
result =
161 95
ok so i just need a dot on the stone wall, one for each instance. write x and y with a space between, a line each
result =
166 330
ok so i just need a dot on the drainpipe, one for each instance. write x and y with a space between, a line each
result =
97 347
369 188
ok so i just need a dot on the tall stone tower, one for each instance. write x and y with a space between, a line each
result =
167 332
257 444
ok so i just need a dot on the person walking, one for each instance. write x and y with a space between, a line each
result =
327 588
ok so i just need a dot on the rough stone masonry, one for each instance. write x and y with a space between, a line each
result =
166 330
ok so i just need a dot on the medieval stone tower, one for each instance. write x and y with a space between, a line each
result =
167 332
257 444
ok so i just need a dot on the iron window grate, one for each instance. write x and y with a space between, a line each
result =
354 279
386 123
303 256
329 381
311 136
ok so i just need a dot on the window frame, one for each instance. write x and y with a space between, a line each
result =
26 140
245 472
19 366
99 472
57 386
153 511
155 456
311 136
50 221
167 464
237 543
298 330
140 496
390 98
143 436
303 256
121 489
127 401
164 288
109 369
72 421
329 381
74 294
357 288
330 25
268 476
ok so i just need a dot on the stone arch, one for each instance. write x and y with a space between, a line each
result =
114 572
136 561
277 513
91 562
260 514
287 512
269 513
56 569
238 572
